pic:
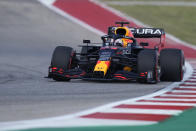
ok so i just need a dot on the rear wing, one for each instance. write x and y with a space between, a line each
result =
147 32
142 32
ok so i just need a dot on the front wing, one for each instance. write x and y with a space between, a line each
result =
80 74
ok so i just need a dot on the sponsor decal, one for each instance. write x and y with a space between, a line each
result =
146 31
143 32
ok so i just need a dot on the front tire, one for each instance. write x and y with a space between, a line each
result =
147 62
61 58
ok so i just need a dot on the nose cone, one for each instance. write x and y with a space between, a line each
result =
102 66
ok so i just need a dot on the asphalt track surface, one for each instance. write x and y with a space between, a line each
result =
28 34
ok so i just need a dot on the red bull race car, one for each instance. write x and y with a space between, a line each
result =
120 57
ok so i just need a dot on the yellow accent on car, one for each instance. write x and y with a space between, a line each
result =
126 32
102 66
125 42
126 68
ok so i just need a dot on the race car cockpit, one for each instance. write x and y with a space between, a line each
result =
118 40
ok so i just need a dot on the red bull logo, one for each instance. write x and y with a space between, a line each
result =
102 66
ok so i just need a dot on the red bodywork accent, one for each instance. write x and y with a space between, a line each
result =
118 74
54 69
98 62
75 76
163 40
61 71
119 52
143 74
83 73
121 77
107 63
114 48
67 75
70 60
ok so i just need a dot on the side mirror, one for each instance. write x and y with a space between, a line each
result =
86 41
144 44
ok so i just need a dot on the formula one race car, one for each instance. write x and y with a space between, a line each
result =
119 57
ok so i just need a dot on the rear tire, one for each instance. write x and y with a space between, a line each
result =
172 64
61 58
147 62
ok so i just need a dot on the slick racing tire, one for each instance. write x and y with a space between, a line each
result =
147 62
172 64
61 58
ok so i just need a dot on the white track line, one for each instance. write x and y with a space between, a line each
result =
192 80
110 122
190 83
193 87
47 2
162 103
183 91
193 76
169 99
178 95
143 111
79 122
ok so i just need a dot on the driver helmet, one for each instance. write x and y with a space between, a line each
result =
125 32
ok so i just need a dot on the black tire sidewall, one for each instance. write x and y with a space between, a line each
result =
62 58
147 61
171 63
